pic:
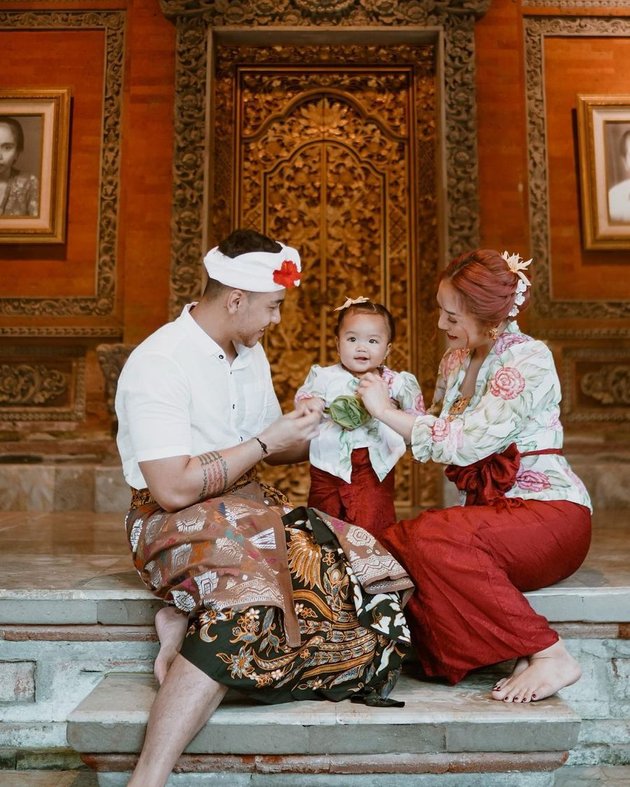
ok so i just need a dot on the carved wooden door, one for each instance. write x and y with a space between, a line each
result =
333 150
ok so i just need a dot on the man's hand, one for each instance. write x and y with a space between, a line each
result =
293 429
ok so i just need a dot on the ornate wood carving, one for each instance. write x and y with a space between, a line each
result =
290 12
568 4
102 303
111 358
340 160
197 22
30 384
596 384
196 133
40 386
536 29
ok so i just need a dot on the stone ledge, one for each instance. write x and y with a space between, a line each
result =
483 762
436 719
119 606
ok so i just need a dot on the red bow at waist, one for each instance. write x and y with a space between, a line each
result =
486 481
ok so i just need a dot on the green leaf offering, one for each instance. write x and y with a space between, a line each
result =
348 412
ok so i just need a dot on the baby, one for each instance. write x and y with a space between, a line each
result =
353 457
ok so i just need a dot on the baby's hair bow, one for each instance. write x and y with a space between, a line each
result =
351 302
517 265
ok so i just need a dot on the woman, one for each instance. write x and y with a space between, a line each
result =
19 191
527 517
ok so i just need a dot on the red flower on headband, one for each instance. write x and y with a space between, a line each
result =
287 275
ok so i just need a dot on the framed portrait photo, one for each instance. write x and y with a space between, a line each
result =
34 140
604 145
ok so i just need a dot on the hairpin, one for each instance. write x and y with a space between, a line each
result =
351 302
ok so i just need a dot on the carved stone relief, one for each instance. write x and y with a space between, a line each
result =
596 384
36 385
112 358
102 303
536 30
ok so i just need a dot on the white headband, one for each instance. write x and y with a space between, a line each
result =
256 271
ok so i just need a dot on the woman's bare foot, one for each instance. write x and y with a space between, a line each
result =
170 625
521 665
547 672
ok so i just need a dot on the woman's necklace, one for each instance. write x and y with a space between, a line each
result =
458 406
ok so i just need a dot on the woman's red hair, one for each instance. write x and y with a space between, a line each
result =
485 284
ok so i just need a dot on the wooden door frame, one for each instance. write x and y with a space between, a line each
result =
200 28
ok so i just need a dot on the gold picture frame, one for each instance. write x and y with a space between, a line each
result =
34 138
604 146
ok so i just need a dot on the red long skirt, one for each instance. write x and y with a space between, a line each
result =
471 566
366 502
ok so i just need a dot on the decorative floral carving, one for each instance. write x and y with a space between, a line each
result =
596 384
111 358
608 385
30 384
37 389
323 159
221 12
196 21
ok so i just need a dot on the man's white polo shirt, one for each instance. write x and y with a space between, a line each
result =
178 395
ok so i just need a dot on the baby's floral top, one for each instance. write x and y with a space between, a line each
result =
516 400
331 450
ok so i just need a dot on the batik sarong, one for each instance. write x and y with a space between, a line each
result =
285 604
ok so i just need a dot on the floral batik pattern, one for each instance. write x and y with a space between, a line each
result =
516 401
351 642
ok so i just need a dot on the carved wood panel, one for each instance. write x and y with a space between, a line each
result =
338 160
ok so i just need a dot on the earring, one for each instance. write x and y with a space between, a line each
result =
493 333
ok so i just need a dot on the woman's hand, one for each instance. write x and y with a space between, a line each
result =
374 394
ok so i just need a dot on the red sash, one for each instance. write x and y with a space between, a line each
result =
486 481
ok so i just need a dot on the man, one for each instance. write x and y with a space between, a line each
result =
196 412
619 195
195 401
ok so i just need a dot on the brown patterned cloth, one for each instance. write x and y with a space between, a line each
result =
352 642
230 552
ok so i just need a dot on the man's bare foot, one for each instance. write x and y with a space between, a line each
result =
170 625
547 672
521 665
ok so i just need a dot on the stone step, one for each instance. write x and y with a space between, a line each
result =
441 730
72 610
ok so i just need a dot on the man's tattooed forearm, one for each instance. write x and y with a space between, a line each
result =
215 474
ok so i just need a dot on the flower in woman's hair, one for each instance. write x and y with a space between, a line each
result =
348 412
287 275
519 298
517 265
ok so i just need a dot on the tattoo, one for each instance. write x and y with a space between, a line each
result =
215 474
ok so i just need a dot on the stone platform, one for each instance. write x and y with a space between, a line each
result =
77 646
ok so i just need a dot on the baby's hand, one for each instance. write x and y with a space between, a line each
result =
310 404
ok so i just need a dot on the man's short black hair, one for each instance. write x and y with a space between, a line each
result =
243 241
